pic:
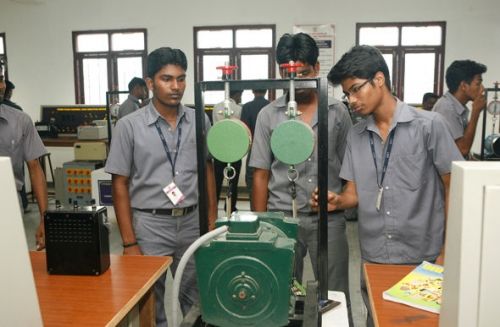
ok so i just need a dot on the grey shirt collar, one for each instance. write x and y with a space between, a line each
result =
402 114
152 114
459 107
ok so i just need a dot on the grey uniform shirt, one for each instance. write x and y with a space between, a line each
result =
455 114
409 227
128 106
218 112
19 140
138 153
280 198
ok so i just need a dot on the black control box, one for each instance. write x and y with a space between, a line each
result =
77 240
46 130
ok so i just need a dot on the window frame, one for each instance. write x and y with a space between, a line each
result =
110 56
399 51
3 57
235 53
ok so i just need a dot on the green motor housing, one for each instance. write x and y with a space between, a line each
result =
245 275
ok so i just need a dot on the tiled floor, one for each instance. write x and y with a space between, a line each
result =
358 309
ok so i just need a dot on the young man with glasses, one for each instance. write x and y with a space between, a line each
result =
271 186
397 167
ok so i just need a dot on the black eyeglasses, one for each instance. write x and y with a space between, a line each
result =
354 90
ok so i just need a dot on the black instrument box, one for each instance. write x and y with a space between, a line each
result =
77 240
46 130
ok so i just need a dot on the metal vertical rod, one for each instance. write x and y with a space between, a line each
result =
227 108
292 98
483 132
108 118
200 154
323 188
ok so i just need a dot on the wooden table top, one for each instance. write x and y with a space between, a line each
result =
95 300
387 313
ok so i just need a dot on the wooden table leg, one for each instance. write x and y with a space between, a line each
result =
147 309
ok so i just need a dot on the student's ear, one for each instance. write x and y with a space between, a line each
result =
149 83
463 85
316 68
379 79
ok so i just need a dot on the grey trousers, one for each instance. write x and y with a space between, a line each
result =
338 252
162 235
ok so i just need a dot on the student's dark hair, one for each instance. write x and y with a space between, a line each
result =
235 92
259 91
136 81
462 70
297 47
429 95
362 61
165 56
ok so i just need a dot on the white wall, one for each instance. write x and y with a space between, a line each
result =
39 45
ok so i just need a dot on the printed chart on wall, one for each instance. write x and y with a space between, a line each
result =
325 39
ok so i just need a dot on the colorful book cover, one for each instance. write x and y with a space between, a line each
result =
421 288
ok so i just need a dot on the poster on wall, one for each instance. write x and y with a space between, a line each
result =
324 35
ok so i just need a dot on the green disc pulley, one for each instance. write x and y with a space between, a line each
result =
292 142
229 140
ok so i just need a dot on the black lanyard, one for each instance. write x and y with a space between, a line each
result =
165 145
386 157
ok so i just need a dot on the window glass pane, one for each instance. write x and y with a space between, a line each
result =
254 38
247 96
213 97
215 39
211 73
92 42
95 80
419 76
2 50
127 41
378 36
253 67
421 35
128 68
210 64
389 60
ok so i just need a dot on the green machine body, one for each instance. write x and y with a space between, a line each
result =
245 276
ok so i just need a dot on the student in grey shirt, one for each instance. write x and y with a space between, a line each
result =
465 83
138 91
270 182
397 167
154 166
20 141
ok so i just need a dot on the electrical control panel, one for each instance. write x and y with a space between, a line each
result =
78 181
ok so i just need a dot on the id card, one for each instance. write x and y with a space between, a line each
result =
173 193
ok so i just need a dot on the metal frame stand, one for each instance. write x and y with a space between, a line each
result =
108 113
483 133
321 85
